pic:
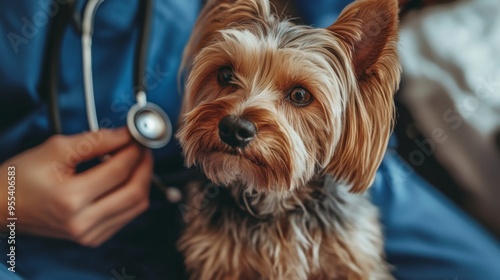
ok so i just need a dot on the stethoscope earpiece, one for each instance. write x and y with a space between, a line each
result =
149 124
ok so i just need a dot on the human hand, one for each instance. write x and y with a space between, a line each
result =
89 207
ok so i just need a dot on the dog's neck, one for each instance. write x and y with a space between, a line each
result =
267 205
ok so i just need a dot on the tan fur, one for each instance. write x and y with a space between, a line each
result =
292 237
274 220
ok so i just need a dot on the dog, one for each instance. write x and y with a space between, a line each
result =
289 123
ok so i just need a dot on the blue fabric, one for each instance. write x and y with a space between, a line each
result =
8 275
427 236
320 13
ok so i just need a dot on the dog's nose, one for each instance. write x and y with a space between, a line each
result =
236 132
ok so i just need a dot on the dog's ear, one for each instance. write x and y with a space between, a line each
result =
368 31
221 14
369 28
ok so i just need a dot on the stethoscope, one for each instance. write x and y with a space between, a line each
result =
146 121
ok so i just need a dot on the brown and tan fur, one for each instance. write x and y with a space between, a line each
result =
285 211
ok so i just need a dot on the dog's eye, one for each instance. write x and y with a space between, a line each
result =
300 96
225 76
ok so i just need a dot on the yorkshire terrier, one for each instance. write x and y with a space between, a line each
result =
292 123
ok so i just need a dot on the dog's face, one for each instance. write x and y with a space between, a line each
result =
270 104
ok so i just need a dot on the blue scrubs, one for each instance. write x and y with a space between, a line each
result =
427 236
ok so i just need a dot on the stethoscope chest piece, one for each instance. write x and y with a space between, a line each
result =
149 125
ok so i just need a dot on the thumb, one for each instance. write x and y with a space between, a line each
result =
89 145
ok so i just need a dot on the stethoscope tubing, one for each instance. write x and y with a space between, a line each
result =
50 78
88 83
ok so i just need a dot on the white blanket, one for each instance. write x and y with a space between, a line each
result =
451 84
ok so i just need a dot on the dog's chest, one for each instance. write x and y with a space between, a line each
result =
306 236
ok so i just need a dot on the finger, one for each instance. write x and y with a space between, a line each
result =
113 172
108 207
105 231
89 145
